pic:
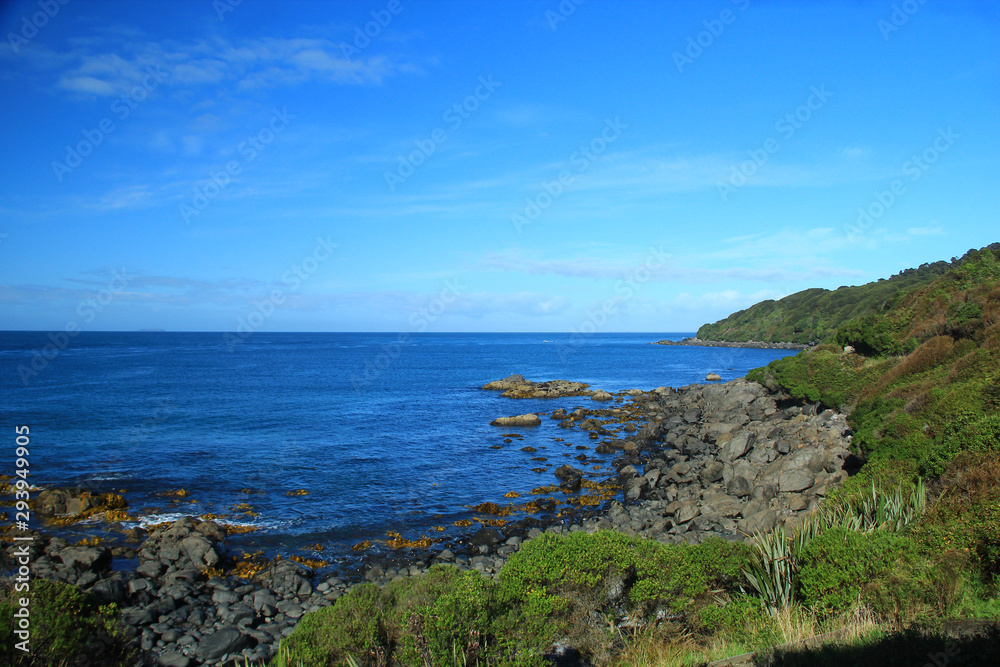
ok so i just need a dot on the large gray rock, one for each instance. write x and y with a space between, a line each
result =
199 551
173 660
86 559
761 522
135 616
687 510
221 642
739 445
739 478
635 488
795 480
567 472
286 578
721 505
712 472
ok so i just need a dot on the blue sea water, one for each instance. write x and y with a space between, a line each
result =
382 434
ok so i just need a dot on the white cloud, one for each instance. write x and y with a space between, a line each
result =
107 66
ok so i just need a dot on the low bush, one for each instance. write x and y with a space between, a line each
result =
570 588
841 567
68 627
354 626
966 517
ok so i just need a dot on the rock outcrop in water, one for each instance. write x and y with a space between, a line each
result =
516 386
518 420
698 342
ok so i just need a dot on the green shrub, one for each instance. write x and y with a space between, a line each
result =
837 566
829 377
646 573
871 336
66 625
966 518
730 618
966 434
441 616
446 617
723 561
354 625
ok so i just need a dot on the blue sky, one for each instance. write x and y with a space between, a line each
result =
482 166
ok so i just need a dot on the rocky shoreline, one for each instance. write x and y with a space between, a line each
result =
720 460
698 342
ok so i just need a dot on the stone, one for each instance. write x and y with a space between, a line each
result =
713 377
634 488
567 472
737 446
571 485
150 569
761 522
287 578
222 596
486 536
134 616
722 505
795 480
712 472
687 510
173 660
109 590
601 396
222 641
518 420
86 559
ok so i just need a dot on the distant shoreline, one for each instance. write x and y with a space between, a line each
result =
698 342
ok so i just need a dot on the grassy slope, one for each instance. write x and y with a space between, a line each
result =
816 314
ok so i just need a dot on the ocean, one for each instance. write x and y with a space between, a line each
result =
327 439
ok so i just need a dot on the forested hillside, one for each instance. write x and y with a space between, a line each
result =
815 315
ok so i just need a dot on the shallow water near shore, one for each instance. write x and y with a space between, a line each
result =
381 435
